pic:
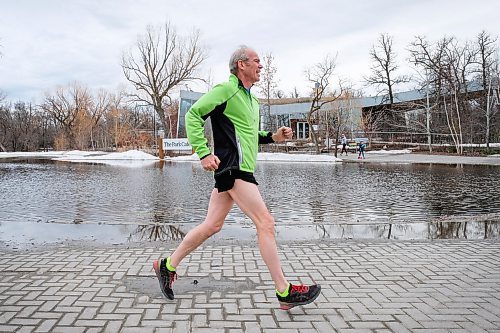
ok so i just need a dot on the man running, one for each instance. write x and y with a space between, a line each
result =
234 114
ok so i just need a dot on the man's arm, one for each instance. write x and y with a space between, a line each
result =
283 133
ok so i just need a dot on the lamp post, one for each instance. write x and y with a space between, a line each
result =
154 124
316 92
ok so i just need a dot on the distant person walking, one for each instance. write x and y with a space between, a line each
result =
343 141
361 149
234 114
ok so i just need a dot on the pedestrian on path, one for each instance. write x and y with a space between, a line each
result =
361 149
234 114
343 141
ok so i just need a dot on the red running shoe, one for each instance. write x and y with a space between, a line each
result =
298 295
165 277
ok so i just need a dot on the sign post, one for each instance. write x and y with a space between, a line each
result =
161 152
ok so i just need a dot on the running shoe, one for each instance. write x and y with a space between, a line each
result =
298 295
165 277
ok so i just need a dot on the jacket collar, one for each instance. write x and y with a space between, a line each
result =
234 79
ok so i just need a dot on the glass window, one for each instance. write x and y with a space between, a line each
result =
302 130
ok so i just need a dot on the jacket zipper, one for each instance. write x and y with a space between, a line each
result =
240 152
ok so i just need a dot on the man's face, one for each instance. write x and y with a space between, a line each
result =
250 69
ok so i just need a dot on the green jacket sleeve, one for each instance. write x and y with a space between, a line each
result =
200 111
265 137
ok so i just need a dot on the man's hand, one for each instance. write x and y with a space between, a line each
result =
210 163
283 133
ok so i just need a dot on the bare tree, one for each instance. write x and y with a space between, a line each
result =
68 106
279 93
20 127
164 61
4 112
428 60
384 78
172 117
460 60
47 129
128 124
5 124
100 106
294 93
268 86
449 66
116 119
488 71
320 75
383 70
24 126
419 116
371 122
2 94
78 113
342 108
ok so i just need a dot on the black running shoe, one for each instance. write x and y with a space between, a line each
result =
298 295
165 277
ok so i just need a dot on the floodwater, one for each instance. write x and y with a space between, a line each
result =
44 201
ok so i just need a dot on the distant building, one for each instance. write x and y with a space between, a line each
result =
187 99
293 112
290 112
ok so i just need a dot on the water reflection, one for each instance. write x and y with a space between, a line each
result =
17 235
465 230
157 232
404 231
308 200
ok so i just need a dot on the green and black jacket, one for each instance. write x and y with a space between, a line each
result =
234 113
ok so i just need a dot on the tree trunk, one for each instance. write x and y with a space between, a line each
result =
428 123
312 132
460 137
488 118
451 126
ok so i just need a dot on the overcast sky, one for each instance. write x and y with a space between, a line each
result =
48 43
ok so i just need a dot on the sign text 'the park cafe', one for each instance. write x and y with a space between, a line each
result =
176 144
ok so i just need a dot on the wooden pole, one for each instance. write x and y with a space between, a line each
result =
161 152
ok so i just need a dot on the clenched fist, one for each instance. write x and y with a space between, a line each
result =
283 133
210 163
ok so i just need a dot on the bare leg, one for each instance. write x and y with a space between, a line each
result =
219 206
247 196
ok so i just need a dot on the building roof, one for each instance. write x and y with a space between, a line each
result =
281 106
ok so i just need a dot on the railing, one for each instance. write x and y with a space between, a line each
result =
402 139
406 137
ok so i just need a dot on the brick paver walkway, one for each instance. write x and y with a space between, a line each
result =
368 286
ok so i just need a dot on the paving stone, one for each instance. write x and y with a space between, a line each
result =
367 286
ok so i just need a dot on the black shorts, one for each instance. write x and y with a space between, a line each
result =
225 181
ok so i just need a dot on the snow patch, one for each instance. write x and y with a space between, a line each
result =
388 152
76 155
130 159
282 157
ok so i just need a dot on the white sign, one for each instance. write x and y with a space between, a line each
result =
176 144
